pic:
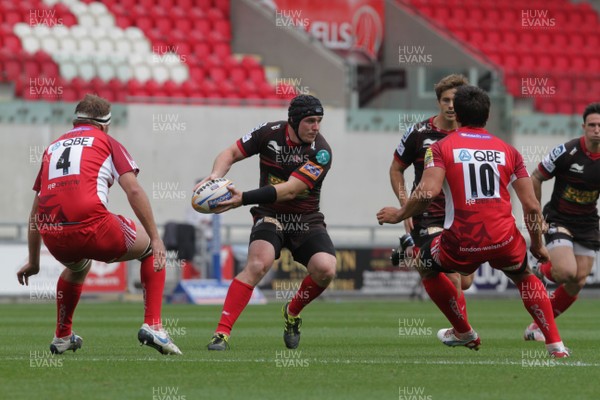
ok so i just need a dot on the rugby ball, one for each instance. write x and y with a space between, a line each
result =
210 194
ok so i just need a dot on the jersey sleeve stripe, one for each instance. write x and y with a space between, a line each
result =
397 158
241 147
543 171
304 179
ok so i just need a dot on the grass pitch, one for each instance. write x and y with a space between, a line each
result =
349 350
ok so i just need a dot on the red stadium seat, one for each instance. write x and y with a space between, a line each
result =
229 61
197 74
213 61
210 89
214 14
217 74
69 94
164 25
203 4
256 74
247 88
223 28
201 50
561 63
222 5
145 23
222 49
122 21
238 75
185 25
192 89
578 63
546 106
593 63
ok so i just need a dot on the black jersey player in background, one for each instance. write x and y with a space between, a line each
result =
411 151
573 236
294 159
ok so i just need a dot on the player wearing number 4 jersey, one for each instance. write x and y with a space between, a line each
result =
70 215
474 169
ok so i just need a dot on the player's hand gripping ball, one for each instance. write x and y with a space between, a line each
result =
210 194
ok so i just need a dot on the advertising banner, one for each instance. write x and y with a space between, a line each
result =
345 25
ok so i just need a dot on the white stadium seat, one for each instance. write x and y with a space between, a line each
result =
68 69
68 45
61 31
142 72
179 73
106 71
97 8
122 46
86 19
160 72
31 44
21 29
50 44
124 72
105 20
86 45
41 31
87 70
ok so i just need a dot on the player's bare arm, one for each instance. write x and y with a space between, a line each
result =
427 190
223 163
399 188
533 216
34 243
141 207
537 178
283 192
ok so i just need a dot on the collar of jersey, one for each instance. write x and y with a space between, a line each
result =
593 156
288 140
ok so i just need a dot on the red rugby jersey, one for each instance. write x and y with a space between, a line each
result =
76 173
479 167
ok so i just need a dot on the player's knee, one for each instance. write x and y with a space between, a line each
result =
257 268
564 276
581 280
323 267
466 282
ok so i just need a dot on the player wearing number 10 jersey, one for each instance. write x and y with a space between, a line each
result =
474 169
70 214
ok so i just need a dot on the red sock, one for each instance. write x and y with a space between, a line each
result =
462 304
237 299
307 292
67 297
546 269
536 301
445 296
561 300
153 285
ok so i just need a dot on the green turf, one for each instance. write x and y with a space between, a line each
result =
349 350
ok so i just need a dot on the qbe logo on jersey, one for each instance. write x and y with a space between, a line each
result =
65 156
480 172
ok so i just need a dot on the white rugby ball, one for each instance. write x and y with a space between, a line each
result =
210 194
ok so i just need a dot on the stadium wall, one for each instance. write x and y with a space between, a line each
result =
172 155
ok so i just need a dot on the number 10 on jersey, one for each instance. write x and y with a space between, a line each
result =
480 172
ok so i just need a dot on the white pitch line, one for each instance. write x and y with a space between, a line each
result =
557 363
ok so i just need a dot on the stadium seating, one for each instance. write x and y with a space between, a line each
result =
126 50
561 54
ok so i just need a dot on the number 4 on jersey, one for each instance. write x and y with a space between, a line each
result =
63 162
65 156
